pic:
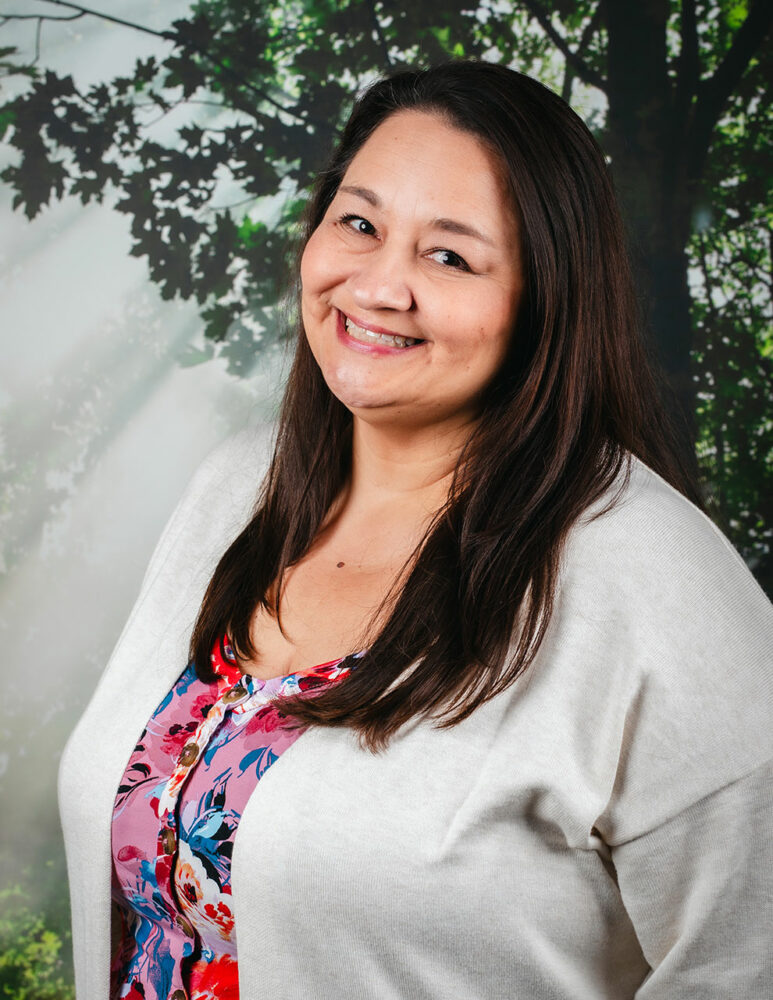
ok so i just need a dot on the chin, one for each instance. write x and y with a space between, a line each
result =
368 405
362 405
354 392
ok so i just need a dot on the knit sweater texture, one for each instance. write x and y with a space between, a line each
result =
602 830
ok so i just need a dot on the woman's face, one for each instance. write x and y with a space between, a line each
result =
411 282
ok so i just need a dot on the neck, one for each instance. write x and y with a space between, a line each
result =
406 467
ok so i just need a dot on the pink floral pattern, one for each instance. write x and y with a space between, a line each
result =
178 807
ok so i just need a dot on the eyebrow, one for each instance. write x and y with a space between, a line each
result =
446 225
461 229
370 196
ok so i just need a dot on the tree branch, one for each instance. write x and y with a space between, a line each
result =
581 68
208 209
189 101
717 431
377 31
746 265
587 34
741 255
168 36
164 112
39 17
688 64
714 92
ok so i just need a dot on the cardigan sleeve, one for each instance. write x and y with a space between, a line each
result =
690 818
699 890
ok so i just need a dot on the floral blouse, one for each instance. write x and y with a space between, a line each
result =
178 806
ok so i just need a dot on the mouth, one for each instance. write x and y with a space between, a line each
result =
375 338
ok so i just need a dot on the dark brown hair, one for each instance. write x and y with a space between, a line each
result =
575 396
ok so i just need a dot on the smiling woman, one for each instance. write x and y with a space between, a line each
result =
411 283
469 692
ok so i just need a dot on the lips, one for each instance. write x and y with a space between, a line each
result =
375 336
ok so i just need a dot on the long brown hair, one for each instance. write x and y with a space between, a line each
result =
575 397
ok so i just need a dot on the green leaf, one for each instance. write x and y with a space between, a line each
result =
7 119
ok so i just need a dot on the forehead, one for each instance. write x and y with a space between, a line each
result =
421 157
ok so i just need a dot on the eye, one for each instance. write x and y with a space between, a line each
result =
357 224
449 259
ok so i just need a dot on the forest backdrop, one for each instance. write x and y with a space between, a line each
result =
207 145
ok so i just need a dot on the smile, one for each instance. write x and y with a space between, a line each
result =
365 336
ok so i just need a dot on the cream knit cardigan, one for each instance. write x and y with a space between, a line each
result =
603 829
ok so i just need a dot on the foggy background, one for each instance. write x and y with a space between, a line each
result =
100 430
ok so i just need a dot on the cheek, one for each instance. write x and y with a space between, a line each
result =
481 328
314 272
482 337
307 269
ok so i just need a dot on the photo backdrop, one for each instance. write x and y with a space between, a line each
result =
134 340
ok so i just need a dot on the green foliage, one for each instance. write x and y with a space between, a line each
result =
268 85
731 251
31 966
210 149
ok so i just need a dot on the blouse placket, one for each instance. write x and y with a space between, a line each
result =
235 694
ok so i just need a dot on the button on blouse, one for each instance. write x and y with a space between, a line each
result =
178 806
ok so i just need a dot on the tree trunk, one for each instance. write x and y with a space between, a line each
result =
646 142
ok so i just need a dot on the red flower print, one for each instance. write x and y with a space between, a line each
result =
206 904
201 706
216 980
163 870
266 720
130 853
178 735
220 914
189 891
181 800
309 683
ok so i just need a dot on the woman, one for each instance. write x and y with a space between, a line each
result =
476 527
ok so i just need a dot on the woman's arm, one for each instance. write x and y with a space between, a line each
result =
699 890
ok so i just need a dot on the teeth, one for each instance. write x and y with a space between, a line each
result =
369 337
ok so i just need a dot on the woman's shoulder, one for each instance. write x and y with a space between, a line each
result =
230 476
649 563
214 507
664 609
647 538
237 465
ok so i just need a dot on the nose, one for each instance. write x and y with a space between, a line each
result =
382 282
